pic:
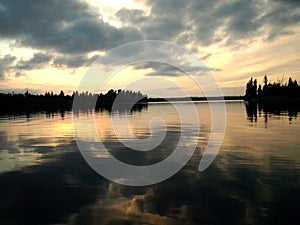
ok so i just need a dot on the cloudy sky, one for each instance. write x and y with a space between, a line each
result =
49 44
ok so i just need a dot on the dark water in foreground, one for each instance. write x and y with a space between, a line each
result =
253 180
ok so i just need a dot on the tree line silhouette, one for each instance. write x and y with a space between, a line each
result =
272 98
12 103
268 89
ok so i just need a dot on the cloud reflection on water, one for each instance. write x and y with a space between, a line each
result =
254 179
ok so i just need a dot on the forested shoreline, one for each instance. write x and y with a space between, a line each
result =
12 103
255 91
276 94
272 98
18 103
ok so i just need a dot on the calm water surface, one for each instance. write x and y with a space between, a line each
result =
253 180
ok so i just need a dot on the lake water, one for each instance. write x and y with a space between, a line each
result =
253 180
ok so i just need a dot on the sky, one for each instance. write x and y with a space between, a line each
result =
49 45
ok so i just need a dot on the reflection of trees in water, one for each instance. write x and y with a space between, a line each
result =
123 108
267 109
53 112
251 110
272 99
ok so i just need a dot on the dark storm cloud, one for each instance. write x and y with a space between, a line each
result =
152 27
164 29
162 69
5 63
68 26
281 19
72 61
159 69
38 61
203 23
162 58
241 16
247 19
131 16
19 74
206 56
70 29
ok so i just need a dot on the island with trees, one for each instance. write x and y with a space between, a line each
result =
276 91
272 98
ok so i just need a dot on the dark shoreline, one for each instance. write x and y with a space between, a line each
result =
12 104
182 99
275 103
